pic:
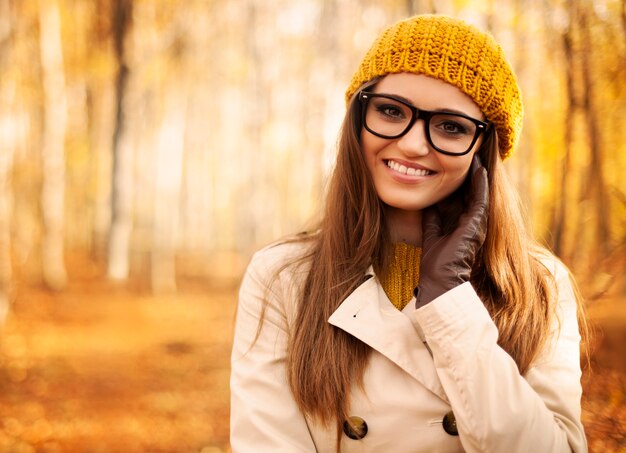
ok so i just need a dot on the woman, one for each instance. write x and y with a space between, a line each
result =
419 317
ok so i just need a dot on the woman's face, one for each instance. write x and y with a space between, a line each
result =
434 175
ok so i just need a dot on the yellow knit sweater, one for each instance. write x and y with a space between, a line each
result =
402 274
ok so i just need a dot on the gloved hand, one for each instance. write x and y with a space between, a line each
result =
448 257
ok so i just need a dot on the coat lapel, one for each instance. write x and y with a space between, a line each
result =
368 315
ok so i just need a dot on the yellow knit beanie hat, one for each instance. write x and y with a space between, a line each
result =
455 52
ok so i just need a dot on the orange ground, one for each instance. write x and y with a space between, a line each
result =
99 368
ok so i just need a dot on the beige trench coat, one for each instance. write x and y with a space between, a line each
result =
425 363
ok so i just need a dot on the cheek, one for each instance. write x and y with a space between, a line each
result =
457 168
456 171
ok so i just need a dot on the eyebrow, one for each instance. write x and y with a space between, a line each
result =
441 110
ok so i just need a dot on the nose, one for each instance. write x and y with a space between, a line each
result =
415 142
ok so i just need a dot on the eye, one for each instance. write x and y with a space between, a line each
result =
391 111
452 126
388 110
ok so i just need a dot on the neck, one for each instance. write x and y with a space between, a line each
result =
404 226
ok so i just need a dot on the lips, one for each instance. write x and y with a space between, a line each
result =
407 170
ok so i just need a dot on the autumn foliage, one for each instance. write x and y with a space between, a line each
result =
162 141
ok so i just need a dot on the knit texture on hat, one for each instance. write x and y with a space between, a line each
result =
455 52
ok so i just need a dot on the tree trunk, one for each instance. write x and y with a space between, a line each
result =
168 180
623 15
101 133
420 7
594 184
122 184
562 195
5 227
250 209
525 169
102 111
52 153
6 159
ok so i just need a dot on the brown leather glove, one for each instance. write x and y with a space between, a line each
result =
448 256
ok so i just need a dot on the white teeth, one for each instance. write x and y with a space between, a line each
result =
406 170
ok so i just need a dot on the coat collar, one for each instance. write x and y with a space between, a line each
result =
368 315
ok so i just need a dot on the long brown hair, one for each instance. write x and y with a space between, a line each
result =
323 361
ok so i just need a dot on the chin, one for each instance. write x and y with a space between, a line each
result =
404 206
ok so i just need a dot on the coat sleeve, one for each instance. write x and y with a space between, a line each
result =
263 414
496 408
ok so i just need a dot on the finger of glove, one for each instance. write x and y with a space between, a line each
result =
473 223
450 210
454 205
431 226
476 164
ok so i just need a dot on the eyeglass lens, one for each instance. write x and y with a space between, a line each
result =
391 119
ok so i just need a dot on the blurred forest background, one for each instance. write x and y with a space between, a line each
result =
148 147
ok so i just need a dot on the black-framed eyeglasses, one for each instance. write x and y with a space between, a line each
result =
388 116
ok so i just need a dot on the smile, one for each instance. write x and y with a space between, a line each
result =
409 171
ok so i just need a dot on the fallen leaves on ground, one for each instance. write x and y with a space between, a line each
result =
101 368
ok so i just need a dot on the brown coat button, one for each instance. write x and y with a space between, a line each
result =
449 424
355 428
